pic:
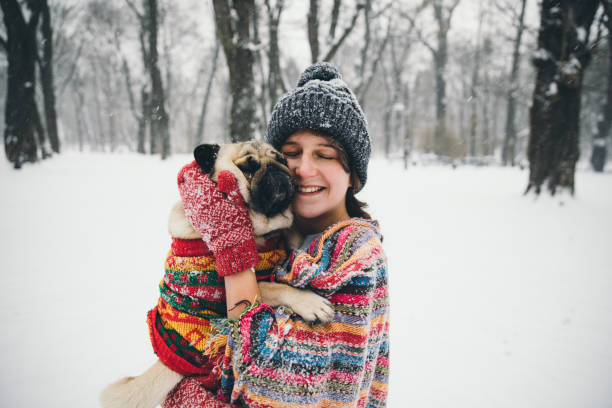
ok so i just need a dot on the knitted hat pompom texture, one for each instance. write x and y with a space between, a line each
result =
323 103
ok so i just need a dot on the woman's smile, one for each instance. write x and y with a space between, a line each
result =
309 190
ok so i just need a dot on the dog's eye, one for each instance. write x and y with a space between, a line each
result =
249 166
280 158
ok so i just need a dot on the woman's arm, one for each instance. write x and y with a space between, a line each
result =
241 291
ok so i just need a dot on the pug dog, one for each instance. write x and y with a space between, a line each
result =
267 188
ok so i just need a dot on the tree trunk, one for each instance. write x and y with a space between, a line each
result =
440 57
487 49
143 119
475 84
509 147
334 21
199 138
47 78
387 130
138 116
275 79
235 37
159 116
486 122
440 127
262 95
100 134
78 116
560 62
313 29
600 152
387 111
407 126
21 114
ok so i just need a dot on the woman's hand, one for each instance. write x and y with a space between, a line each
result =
219 214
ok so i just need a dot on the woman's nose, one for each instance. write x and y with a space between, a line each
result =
305 167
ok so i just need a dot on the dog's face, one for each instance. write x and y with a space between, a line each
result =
263 178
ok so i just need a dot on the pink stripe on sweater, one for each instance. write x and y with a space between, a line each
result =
362 300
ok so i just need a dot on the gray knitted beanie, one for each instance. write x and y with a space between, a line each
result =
323 103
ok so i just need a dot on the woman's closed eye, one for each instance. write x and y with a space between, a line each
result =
327 154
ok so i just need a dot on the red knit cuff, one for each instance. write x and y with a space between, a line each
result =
237 259
189 247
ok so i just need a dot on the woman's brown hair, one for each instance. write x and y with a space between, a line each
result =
354 207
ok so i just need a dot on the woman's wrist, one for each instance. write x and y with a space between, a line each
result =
241 291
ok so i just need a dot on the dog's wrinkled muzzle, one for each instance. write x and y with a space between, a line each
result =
274 192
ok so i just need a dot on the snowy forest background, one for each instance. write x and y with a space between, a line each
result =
448 80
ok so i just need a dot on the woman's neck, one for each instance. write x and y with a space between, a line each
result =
316 225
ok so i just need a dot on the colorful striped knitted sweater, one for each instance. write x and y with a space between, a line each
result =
192 298
274 358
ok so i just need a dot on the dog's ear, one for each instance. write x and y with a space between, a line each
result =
206 156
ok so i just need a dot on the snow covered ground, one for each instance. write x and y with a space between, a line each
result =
498 300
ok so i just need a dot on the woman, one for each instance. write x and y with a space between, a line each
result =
274 358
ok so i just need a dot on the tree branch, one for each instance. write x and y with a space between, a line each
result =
451 9
330 54
381 11
72 69
419 34
365 85
132 6
334 21
4 44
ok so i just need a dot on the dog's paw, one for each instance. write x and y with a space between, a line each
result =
312 307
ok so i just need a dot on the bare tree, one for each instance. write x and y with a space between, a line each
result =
509 146
443 14
604 124
368 65
475 84
334 41
234 31
313 27
396 108
46 75
22 120
199 136
261 94
154 107
275 78
560 62
139 115
487 142
159 116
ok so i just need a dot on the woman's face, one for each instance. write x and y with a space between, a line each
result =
321 180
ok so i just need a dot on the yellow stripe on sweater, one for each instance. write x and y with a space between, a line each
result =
206 263
337 327
195 330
